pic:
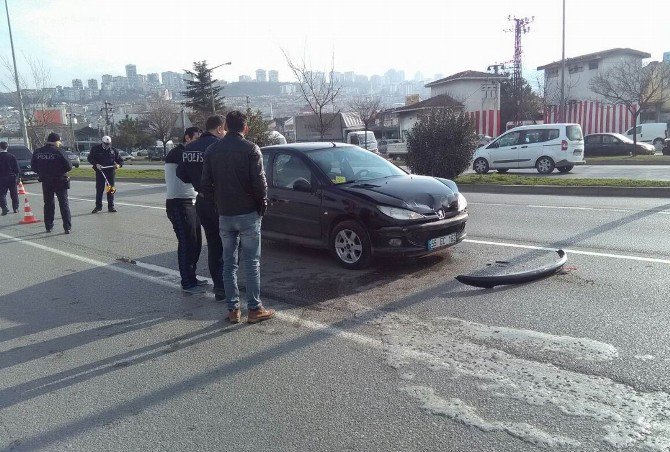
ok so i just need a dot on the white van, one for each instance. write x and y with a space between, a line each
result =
363 139
651 132
544 147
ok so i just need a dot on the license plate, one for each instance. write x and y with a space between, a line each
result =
29 173
440 242
577 152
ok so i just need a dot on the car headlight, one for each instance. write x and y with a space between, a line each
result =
400 214
462 202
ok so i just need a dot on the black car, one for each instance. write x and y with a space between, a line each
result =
357 204
600 144
23 156
666 147
73 158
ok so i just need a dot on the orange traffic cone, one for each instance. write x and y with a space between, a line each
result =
22 189
28 216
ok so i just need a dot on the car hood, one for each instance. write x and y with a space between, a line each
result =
421 194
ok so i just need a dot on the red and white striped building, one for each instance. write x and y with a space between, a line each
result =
594 117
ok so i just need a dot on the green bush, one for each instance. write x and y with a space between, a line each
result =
441 144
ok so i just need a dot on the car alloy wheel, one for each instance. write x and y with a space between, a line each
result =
545 165
350 245
481 166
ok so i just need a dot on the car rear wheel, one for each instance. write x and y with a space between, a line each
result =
350 245
503 171
481 166
658 144
545 165
566 169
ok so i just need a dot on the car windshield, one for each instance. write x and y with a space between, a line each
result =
352 164
623 138
20 152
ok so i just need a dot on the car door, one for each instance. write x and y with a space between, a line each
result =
593 145
614 146
504 151
294 198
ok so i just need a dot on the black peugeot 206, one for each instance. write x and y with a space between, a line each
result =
357 204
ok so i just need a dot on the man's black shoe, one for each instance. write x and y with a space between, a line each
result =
5 212
48 229
16 210
67 231
112 210
96 210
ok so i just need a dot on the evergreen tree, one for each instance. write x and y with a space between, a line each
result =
200 89
258 129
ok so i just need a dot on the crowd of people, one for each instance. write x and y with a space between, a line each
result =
215 181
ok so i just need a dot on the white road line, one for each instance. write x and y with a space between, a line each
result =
144 206
571 251
539 206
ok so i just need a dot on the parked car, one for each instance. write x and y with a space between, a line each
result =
156 154
363 139
73 158
140 153
126 157
357 204
651 132
83 155
666 149
544 147
23 157
483 140
383 144
598 144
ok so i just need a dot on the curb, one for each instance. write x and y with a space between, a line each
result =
626 192
627 163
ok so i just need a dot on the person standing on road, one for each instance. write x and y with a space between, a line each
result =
233 175
9 177
180 208
189 170
52 165
105 160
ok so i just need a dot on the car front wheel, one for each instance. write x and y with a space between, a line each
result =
545 165
481 166
350 245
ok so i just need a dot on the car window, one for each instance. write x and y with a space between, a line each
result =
287 169
609 139
553 134
351 164
574 133
354 139
533 136
509 139
592 139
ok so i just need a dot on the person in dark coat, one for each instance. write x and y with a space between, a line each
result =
105 159
52 166
9 177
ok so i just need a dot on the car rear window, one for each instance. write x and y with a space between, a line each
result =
574 133
20 152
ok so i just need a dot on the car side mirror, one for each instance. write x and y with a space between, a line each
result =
302 185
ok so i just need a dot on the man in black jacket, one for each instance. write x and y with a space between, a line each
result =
234 177
9 176
189 170
52 166
104 158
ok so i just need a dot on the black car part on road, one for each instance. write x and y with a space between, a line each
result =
490 281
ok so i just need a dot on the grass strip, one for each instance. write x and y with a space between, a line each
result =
88 173
515 179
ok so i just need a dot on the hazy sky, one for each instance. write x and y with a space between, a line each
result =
86 38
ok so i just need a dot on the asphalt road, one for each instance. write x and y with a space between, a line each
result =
100 351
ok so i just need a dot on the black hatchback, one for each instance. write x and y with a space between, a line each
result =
357 205
23 157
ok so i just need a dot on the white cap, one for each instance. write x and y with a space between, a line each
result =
107 139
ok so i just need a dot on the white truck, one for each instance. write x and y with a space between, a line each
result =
363 139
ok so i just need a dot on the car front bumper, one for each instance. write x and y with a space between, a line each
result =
414 238
29 175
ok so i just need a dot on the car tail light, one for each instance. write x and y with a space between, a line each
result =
564 145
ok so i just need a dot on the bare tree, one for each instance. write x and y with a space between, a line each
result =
319 90
160 120
367 108
633 85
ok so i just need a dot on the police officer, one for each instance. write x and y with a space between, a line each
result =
189 170
52 166
9 176
105 159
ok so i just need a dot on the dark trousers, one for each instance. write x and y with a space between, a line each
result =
186 225
8 184
100 187
59 188
209 219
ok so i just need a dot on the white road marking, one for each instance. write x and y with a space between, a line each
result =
571 251
144 206
539 206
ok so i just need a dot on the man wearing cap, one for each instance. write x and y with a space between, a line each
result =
52 166
9 175
105 160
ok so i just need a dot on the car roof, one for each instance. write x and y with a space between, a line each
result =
544 126
306 147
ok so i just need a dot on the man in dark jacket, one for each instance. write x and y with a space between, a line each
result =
233 176
52 166
105 159
180 208
9 176
189 170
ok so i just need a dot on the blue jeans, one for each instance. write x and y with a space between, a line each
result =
241 233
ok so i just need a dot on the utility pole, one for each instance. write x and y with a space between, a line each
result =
22 113
107 109
183 120
211 85
70 116
248 103
562 107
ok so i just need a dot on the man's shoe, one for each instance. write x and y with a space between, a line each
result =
260 314
234 316
96 210
5 212
195 290
67 231
16 210
112 210
48 229
201 282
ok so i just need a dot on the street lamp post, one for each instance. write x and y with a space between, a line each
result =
562 107
211 87
22 117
